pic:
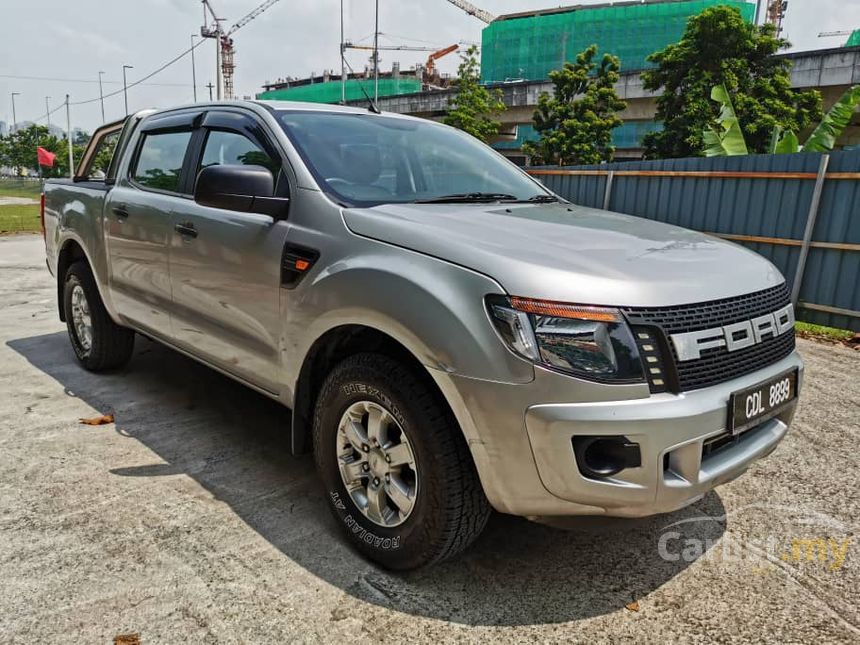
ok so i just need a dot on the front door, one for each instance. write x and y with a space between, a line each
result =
138 226
225 265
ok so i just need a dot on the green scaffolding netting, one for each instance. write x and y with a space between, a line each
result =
330 92
530 47
853 39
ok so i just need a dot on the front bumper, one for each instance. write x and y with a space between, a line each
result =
521 438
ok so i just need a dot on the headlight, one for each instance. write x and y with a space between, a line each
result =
589 342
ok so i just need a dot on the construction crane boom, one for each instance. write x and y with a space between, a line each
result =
429 66
472 10
833 34
410 48
253 14
432 58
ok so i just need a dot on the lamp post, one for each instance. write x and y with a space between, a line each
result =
193 68
14 127
125 86
48 112
342 61
376 55
102 96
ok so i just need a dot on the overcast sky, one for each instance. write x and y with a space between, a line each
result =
72 40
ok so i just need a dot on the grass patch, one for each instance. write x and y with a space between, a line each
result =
22 218
20 188
820 331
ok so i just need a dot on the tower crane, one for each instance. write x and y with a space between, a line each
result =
775 13
472 10
226 67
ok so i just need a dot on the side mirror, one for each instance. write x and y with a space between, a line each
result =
247 189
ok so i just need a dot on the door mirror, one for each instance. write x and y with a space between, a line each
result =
247 189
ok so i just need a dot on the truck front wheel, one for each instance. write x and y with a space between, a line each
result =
99 343
397 470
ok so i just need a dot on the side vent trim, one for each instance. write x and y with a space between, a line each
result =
296 262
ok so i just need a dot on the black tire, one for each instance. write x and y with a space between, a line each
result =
111 345
450 509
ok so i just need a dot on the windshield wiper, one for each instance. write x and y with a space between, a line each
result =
468 197
542 198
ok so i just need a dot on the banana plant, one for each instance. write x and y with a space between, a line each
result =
728 138
824 137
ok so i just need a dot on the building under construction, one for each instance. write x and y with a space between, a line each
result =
328 88
529 45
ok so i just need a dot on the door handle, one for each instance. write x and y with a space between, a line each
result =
187 229
119 212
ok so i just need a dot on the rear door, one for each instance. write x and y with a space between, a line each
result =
225 265
138 224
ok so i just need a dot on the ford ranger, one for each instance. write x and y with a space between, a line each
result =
450 336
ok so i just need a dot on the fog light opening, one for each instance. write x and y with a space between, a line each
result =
602 457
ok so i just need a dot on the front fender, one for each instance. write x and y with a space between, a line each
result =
433 308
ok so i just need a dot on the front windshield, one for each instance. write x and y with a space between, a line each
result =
368 159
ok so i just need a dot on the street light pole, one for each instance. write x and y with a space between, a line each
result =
14 127
210 86
376 56
125 86
69 139
193 68
219 77
102 96
342 60
48 112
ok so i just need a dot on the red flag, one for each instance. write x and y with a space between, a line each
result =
45 158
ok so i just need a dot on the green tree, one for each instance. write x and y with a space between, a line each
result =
18 150
720 48
474 106
575 124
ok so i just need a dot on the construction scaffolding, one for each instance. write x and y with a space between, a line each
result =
529 45
853 39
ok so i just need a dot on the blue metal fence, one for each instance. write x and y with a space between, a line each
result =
760 201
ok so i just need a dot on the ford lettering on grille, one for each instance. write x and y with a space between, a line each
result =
689 345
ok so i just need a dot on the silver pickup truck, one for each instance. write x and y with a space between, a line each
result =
450 336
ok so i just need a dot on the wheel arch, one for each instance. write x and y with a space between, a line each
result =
332 347
72 251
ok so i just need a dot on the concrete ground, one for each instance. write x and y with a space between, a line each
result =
188 520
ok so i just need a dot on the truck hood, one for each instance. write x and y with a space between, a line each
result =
572 253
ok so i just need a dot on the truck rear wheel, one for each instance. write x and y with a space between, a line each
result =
99 343
397 470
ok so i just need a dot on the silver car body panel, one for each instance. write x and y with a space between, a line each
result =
420 274
572 253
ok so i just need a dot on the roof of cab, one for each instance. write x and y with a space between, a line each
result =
280 105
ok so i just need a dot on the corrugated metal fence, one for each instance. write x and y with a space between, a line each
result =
800 211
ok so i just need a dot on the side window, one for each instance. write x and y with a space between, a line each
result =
234 149
98 155
159 163
102 156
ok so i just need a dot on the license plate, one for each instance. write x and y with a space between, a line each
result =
759 403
